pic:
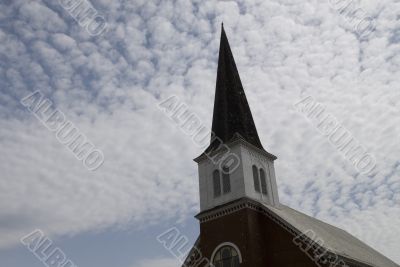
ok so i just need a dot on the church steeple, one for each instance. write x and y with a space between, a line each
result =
242 222
235 165
231 110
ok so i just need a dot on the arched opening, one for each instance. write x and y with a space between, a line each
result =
255 179
221 182
263 182
216 183
226 180
226 256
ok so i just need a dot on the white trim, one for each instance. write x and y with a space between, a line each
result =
223 245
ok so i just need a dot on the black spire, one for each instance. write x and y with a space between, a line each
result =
231 111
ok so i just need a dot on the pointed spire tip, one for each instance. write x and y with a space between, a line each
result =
231 110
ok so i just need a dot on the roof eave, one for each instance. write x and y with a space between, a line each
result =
236 139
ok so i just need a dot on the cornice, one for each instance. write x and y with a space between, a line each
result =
237 139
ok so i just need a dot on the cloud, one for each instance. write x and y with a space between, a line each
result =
158 263
110 85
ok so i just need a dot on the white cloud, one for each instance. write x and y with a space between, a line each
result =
109 86
158 263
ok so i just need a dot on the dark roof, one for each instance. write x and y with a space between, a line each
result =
231 111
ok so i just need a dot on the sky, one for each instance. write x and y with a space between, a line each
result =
109 83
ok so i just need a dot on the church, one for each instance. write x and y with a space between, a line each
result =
242 222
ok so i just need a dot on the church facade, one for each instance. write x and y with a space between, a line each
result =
242 222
